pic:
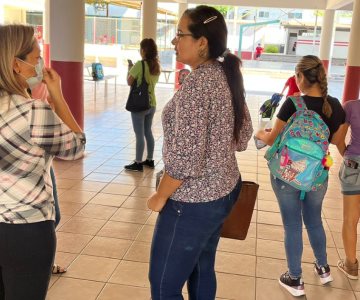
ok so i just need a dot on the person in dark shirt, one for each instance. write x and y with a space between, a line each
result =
311 79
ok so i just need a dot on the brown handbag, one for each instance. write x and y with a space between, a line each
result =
237 223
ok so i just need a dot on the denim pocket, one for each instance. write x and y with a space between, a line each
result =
349 175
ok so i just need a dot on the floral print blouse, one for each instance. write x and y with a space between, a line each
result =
198 143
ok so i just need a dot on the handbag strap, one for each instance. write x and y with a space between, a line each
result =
143 71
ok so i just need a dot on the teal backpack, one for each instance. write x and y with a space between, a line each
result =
299 153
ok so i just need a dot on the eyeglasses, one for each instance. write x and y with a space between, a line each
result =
180 35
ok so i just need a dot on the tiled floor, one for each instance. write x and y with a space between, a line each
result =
105 232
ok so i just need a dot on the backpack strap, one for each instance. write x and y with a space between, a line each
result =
299 102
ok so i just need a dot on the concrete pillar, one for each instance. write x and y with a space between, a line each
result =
46 33
352 76
179 66
327 38
67 25
149 19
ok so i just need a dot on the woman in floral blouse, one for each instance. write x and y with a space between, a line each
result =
204 124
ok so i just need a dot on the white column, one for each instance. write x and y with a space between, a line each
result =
179 66
67 27
327 38
149 19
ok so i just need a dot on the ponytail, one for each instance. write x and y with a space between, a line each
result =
231 66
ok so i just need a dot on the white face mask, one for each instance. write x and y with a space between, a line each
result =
35 80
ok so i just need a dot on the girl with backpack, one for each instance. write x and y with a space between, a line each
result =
142 121
350 188
312 82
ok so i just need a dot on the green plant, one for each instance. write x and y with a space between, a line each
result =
271 49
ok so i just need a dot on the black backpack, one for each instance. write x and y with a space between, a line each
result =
139 99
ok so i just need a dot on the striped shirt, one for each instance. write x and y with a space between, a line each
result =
31 134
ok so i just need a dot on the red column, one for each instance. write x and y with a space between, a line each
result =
67 51
46 34
352 75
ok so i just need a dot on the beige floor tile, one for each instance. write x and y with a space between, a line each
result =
271 218
234 263
310 277
268 289
139 251
270 232
102 177
107 247
131 215
152 219
70 208
328 293
267 248
120 230
146 234
115 170
333 213
230 286
143 192
270 268
53 279
74 289
83 225
76 196
66 183
131 273
64 259
92 268
71 242
96 211
90 186
123 292
136 203
269 206
64 218
125 179
108 199
119 189
242 247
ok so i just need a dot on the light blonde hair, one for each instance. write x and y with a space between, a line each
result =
16 41
314 72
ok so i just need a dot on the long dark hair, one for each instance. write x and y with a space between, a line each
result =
151 55
314 72
215 31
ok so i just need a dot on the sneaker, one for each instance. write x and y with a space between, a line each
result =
349 269
323 272
148 163
137 167
294 286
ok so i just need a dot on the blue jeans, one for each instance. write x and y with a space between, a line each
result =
184 247
56 198
142 122
293 212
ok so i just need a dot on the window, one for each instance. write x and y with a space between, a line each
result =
294 15
263 14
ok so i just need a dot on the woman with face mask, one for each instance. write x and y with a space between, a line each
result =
31 135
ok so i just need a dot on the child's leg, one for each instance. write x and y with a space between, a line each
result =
351 216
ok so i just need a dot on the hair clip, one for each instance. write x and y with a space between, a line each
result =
221 58
210 19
